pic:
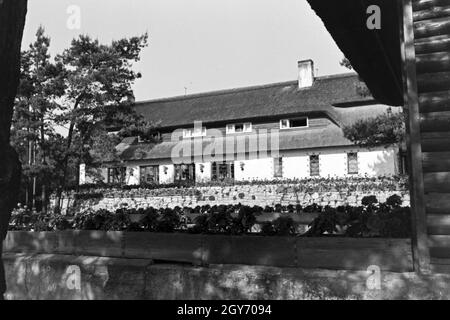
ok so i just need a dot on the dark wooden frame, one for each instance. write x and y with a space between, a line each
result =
337 253
413 139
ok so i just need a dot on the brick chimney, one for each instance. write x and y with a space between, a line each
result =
305 74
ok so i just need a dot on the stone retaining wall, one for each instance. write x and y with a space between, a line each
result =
93 278
261 195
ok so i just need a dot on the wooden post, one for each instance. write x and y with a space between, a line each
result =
411 107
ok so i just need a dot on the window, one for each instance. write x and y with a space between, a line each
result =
278 167
294 123
149 174
239 128
403 163
352 163
314 166
117 175
222 171
185 172
194 132
150 137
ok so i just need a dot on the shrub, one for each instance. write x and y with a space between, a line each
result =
369 200
169 221
245 220
373 219
394 201
267 229
284 226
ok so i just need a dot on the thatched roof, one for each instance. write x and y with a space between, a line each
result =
374 54
338 98
257 102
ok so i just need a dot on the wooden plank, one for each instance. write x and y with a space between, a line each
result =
249 250
354 254
439 246
173 247
437 182
434 102
436 81
437 203
438 224
435 121
99 243
432 44
428 4
433 62
413 138
436 161
440 265
431 13
432 27
436 141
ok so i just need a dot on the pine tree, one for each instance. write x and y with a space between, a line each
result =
40 87
98 94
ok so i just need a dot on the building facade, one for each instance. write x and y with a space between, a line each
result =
288 130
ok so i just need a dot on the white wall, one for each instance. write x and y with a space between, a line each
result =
377 162
132 175
257 169
87 177
295 167
333 165
206 175
82 178
169 176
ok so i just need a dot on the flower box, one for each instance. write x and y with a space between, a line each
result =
325 252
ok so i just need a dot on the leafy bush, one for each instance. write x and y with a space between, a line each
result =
284 226
369 200
307 185
168 221
388 220
372 219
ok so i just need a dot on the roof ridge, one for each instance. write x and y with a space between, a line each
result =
240 89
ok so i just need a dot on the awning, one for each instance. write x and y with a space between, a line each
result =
374 54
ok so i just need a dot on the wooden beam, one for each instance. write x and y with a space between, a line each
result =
432 44
435 141
438 224
437 203
432 27
433 62
436 161
437 182
419 5
434 81
411 99
434 102
431 13
435 121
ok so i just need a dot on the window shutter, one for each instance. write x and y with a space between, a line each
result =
314 166
352 163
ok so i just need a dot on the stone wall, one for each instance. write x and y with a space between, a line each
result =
261 195
53 277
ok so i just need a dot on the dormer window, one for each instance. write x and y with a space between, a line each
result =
294 123
152 137
239 128
194 132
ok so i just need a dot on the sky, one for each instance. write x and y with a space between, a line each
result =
197 45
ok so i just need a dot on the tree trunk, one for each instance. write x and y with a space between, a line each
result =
62 184
12 21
